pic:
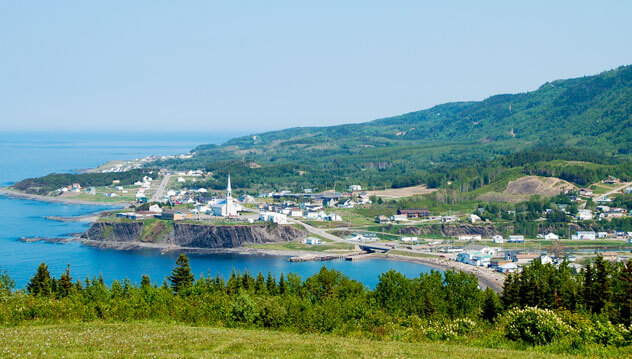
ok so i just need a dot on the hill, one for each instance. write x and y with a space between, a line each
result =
591 113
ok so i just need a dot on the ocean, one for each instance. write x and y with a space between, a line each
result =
31 154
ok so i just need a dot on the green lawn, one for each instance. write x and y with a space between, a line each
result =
154 340
293 246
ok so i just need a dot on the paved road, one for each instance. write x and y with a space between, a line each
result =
161 188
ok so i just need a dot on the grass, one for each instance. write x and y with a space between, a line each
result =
157 340
297 246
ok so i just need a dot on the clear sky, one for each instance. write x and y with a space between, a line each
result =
259 65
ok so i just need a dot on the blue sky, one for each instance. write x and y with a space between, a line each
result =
252 66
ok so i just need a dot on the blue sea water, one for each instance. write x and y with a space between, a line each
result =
26 155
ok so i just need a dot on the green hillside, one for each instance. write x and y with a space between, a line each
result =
589 115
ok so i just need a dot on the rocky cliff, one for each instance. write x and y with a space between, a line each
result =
191 235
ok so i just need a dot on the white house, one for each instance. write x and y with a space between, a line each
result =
273 217
313 241
333 217
399 218
408 239
498 239
544 259
448 219
296 212
551 237
474 218
584 215
585 192
584 235
516 238
355 187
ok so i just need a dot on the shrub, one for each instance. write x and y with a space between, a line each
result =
534 325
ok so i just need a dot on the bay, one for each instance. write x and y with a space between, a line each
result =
29 154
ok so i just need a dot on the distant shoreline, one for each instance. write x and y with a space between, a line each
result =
8 192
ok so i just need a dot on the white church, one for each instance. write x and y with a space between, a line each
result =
226 207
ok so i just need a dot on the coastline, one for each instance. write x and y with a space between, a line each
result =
8 192
486 277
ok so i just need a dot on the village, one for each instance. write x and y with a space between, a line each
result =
333 224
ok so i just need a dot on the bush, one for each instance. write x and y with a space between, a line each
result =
535 326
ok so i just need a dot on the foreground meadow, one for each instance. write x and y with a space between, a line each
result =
159 340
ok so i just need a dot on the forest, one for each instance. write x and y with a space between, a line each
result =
542 306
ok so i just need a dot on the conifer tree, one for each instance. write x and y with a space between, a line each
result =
271 284
41 283
260 284
64 286
181 276
282 285
491 305
145 282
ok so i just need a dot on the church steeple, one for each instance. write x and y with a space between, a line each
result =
229 191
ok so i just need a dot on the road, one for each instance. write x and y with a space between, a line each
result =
616 190
161 188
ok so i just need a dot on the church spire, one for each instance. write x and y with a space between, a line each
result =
229 191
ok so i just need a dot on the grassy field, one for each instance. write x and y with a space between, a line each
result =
296 246
154 340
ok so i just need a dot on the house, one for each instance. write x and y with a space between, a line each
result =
172 215
295 212
414 213
381 219
155 208
408 239
604 199
586 192
355 187
273 217
363 199
246 198
515 238
362 237
497 262
448 219
474 218
474 258
399 218
551 237
507 267
544 259
470 237
524 258
91 191
628 190
181 180
498 239
346 204
611 180
584 215
584 235
333 217
602 234
313 241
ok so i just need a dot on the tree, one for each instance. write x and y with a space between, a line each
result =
64 286
145 282
491 305
181 276
41 283
6 283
